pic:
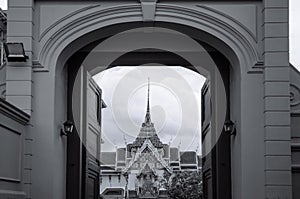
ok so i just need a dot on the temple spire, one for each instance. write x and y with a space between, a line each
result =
147 130
148 117
148 98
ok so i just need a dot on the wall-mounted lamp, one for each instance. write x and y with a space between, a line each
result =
15 52
67 128
229 127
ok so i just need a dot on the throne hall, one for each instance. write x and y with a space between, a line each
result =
141 169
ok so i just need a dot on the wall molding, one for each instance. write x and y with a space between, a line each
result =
65 18
12 194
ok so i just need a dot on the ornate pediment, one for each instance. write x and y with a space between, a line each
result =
147 154
146 170
146 150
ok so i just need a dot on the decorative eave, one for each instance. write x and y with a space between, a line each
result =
139 142
13 112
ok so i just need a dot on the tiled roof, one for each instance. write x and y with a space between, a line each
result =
121 154
139 141
174 154
188 157
147 130
108 158
166 151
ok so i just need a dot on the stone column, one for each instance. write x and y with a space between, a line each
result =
277 100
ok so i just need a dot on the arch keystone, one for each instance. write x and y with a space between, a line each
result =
148 9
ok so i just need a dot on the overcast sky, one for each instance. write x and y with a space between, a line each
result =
295 33
174 101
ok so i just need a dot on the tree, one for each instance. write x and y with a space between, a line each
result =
185 185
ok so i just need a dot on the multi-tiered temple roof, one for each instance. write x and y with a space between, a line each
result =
147 130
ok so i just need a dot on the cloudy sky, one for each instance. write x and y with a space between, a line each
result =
295 33
174 101
127 91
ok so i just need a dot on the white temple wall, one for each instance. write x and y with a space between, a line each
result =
114 182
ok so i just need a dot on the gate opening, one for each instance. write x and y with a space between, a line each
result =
151 132
110 172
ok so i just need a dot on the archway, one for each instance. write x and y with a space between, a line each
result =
250 34
213 64
61 40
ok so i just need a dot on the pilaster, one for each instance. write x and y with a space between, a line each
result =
277 100
19 76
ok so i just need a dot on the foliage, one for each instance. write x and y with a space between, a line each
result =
185 185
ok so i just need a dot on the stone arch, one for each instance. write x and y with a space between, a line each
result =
131 47
60 41
77 28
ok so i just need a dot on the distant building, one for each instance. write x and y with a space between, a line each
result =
141 169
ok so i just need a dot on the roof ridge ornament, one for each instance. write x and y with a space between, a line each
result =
148 9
